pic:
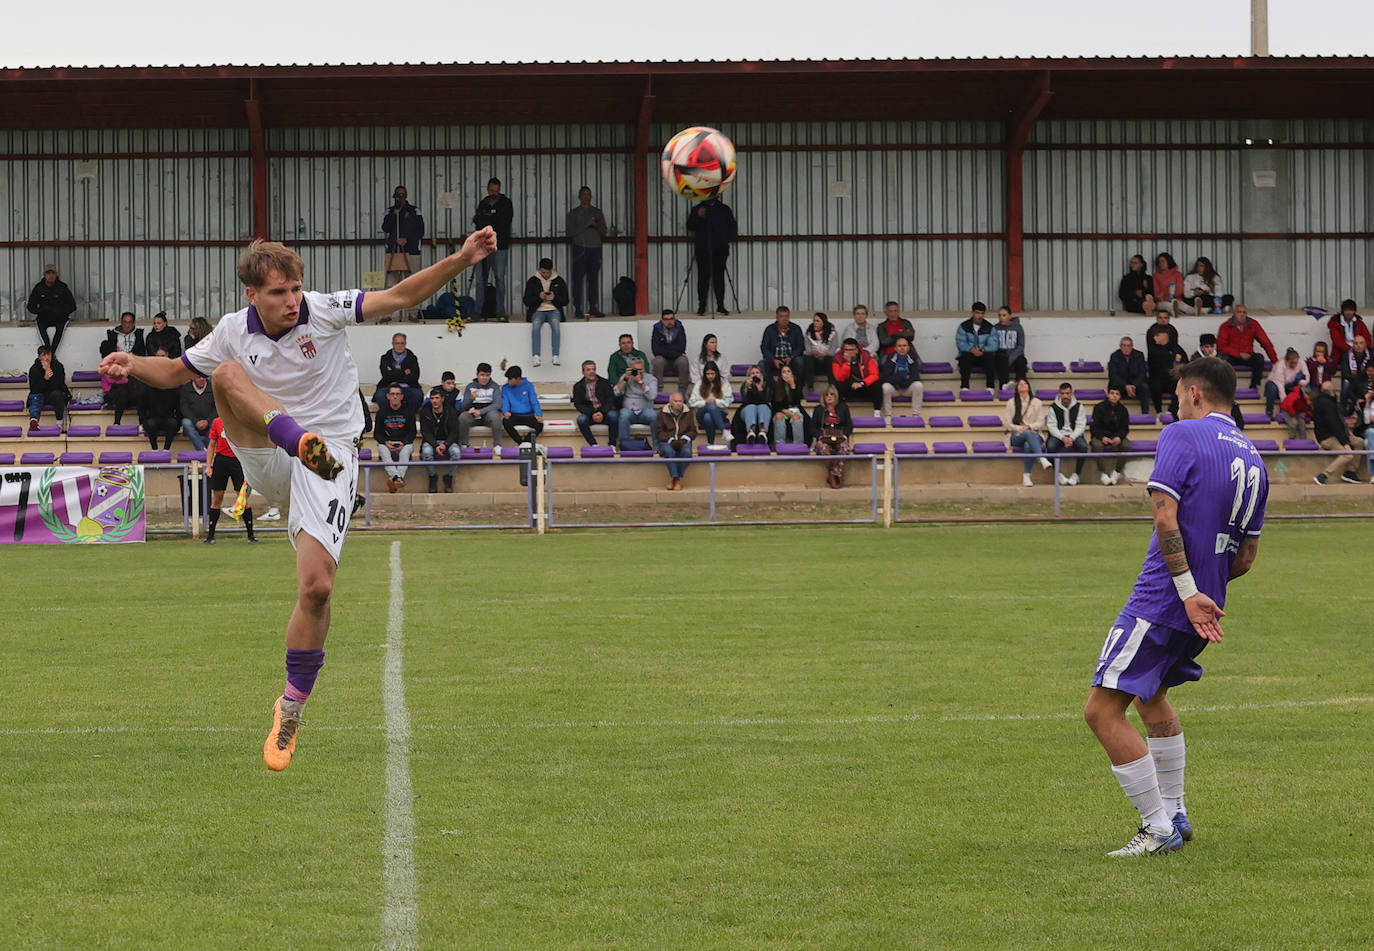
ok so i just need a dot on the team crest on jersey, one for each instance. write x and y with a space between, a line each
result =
307 346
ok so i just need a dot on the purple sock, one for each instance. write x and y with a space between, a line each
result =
285 432
302 667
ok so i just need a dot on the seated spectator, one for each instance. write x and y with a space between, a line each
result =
52 305
1165 323
783 345
893 328
1344 328
159 412
755 409
1162 359
822 343
977 345
636 391
48 384
710 353
1136 290
126 338
1364 428
1011 347
1168 283
1128 371
668 342
789 424
834 427
1295 412
449 384
860 330
1288 374
399 367
1110 424
1358 389
223 467
546 294
594 401
520 406
1206 346
163 337
439 438
1236 341
676 429
1023 416
1333 435
1320 366
900 375
480 405
1202 289
394 431
619 361
124 394
1066 423
199 329
856 376
1353 366
710 399
196 404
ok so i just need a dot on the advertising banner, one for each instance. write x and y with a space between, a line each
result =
71 505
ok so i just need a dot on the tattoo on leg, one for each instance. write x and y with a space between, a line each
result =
1162 728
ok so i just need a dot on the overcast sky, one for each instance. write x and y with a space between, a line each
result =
171 32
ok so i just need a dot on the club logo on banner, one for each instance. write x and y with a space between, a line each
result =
72 505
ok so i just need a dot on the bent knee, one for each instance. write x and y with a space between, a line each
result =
315 590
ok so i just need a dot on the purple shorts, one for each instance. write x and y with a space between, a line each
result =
1140 656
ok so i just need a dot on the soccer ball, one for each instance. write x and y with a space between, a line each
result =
698 163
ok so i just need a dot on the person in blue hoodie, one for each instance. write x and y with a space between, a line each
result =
1011 347
520 406
977 344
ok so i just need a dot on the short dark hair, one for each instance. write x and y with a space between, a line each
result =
892 303
513 371
783 309
128 313
546 263
1207 340
44 348
446 376
1348 304
667 311
435 391
979 305
484 367
494 181
395 386
848 341
1213 375
1066 385
1115 388
630 337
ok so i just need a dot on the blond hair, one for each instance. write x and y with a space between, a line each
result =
264 258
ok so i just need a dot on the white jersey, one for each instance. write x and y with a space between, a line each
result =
308 369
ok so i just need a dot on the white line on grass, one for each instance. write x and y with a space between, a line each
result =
400 918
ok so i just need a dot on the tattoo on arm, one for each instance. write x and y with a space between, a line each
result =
1171 547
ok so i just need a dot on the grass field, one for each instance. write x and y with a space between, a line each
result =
736 739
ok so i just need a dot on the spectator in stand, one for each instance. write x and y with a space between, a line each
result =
750 424
481 405
126 338
1333 436
833 427
1161 360
1353 366
789 424
822 343
1364 428
394 431
893 328
404 228
449 384
1295 412
1206 346
1127 370
199 329
439 438
864 333
1011 347
1168 283
546 294
977 344
399 367
636 390
620 360
1344 328
710 353
48 384
1024 419
713 229
668 342
196 403
223 467
1288 374
856 376
1236 341
520 407
163 337
1202 289
676 429
52 305
900 375
1111 422
496 210
1066 421
594 401
783 345
159 411
1358 389
710 399
1320 366
1136 290
586 228
1164 322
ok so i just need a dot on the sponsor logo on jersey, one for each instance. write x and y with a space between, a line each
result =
307 346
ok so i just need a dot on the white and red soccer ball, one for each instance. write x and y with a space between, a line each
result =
698 163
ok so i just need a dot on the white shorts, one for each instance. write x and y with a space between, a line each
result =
319 508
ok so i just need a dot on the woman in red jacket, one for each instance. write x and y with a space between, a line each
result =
1168 281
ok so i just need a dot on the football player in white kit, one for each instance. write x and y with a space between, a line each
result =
286 388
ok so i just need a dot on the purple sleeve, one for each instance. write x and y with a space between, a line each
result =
1173 463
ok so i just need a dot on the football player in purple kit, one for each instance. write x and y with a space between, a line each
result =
1208 492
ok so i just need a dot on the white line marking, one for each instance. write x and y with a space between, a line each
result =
400 916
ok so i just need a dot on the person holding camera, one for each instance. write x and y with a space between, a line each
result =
404 229
636 390
833 427
750 424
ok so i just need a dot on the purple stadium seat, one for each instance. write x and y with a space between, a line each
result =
751 448
82 431
1006 394
154 456
85 376
45 432
868 422
660 399
1268 364
1255 419
737 396
364 455
981 421
560 452
191 455
1090 394
6 458
11 432
11 406
939 396
475 452
937 368
945 422
909 448
901 399
740 369
989 446
1144 445
76 458
1046 395
1247 393
868 448
1266 445
813 396
121 430
975 396
1047 366
1300 445
1086 366
598 452
792 449
36 459
649 453
116 458
908 422
20 378
945 448
1167 418
1142 419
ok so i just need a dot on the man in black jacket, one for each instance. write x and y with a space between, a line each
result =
1128 370
497 211
1333 435
439 437
1110 423
126 338
51 302
546 294
399 367
713 229
594 400
394 431
404 228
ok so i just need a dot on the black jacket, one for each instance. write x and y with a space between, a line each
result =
155 403
166 339
1127 371
1150 344
534 287
394 425
407 375
841 410
412 228
1134 286
1162 360
111 344
441 429
1109 421
50 304
603 392
499 213
58 383
717 229
887 369
1327 421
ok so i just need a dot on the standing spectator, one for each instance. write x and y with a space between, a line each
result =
546 294
1024 419
594 401
710 353
1202 289
1127 370
861 330
405 230
900 375
481 405
586 228
439 437
676 429
822 343
163 337
1206 346
394 430
977 345
1163 321
196 403
1333 435
713 229
786 404
1287 375
893 328
1236 341
620 360
1011 347
1110 425
1168 283
1162 357
199 329
636 391
750 424
52 304
1353 365
1136 291
1066 423
399 367
783 344
159 411
668 343
520 406
856 376
833 427
711 398
497 211
48 384
1320 366
1344 328
1295 412
221 468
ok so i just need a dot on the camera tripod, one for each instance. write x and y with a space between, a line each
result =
687 280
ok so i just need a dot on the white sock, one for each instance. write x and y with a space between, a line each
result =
1169 756
1140 785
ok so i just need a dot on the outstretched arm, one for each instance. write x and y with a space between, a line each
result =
161 372
422 285
1202 610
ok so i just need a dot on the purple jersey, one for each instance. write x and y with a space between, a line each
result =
1218 479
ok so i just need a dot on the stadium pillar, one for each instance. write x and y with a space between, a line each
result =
1018 131
646 116
257 143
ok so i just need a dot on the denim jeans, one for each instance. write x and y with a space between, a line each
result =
712 419
1056 445
1030 443
757 414
537 320
789 431
1272 396
455 452
628 417
611 419
676 470
495 265
188 426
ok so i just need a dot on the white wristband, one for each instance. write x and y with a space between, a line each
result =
1185 585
